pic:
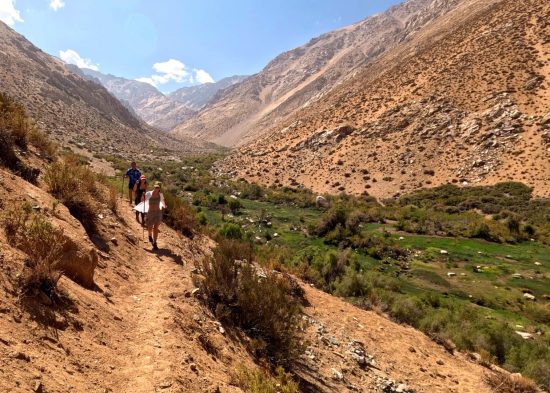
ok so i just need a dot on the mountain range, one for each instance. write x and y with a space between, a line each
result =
155 108
72 109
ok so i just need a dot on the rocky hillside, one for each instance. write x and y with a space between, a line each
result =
72 109
301 76
148 103
465 100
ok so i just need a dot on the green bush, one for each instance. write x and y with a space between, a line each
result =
230 230
234 205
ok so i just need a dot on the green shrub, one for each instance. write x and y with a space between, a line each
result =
409 310
234 205
201 217
230 230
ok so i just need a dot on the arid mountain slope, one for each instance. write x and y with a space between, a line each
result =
70 108
302 75
467 100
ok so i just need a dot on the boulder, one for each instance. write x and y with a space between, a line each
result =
78 262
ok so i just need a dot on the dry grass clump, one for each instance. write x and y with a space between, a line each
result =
74 184
260 303
510 383
256 381
43 244
180 216
17 127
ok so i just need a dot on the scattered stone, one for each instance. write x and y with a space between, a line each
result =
165 384
37 388
524 335
20 356
107 293
440 362
451 274
337 375
538 264
411 349
195 291
193 367
114 241
528 296
444 252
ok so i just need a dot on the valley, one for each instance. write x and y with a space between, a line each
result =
370 212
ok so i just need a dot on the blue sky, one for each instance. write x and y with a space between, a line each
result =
173 43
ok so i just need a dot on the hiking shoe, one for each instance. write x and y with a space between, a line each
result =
155 246
150 239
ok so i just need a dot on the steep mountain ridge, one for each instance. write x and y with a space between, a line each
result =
301 76
465 101
73 109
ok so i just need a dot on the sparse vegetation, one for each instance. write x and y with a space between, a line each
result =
32 233
74 184
16 132
510 383
256 381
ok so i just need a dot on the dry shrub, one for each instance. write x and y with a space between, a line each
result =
45 146
256 381
510 383
17 130
75 186
43 244
180 216
261 303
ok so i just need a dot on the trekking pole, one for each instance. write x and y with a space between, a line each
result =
122 188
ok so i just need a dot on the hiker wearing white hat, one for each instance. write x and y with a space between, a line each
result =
155 201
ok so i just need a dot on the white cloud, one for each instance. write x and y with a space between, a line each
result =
57 4
203 77
72 57
175 70
8 13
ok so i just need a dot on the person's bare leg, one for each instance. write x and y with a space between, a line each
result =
130 195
